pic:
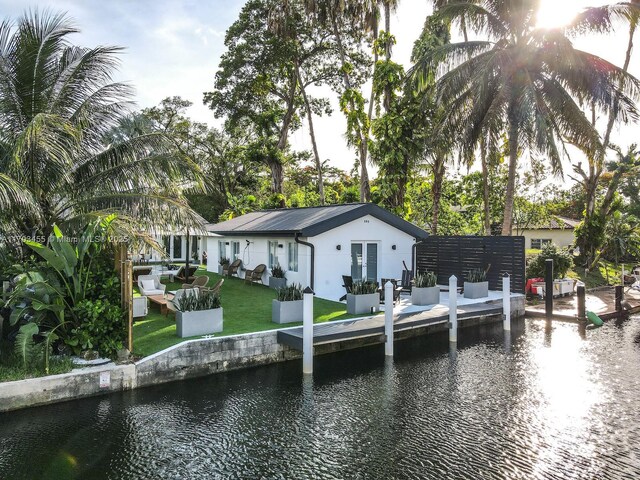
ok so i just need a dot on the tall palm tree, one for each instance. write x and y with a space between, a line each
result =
531 80
361 14
57 104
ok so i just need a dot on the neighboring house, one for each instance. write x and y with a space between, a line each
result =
558 230
317 245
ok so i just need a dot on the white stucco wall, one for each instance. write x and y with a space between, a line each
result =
256 252
562 238
330 263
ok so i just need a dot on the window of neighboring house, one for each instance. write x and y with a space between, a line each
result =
273 254
177 246
538 243
222 250
293 257
166 243
235 250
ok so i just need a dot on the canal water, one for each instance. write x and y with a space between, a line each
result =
536 404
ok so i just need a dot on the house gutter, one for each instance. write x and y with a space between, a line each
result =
313 255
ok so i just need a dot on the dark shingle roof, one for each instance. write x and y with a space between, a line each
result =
556 223
309 221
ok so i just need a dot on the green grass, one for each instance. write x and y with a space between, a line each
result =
247 308
606 274
11 369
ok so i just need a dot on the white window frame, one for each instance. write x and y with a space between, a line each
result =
235 251
222 249
292 257
272 247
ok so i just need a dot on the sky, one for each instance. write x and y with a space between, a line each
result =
172 47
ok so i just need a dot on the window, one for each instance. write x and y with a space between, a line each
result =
538 243
166 243
235 250
222 250
293 257
273 254
177 246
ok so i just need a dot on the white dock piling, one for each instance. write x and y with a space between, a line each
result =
453 309
307 331
506 302
388 319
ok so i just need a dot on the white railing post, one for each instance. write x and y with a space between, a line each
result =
388 319
453 309
506 301
307 331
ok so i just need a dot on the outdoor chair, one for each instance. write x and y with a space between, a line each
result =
255 275
138 271
150 285
232 268
199 281
396 290
347 283
184 276
406 283
216 287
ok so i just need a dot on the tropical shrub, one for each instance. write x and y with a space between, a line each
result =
102 328
289 293
426 279
562 261
224 261
363 287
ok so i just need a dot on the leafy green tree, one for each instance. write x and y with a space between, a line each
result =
57 164
531 81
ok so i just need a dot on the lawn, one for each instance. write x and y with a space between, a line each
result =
247 308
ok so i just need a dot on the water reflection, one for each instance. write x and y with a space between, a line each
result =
537 403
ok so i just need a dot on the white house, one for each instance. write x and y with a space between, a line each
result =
559 230
317 245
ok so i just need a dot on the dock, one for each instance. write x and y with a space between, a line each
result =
372 328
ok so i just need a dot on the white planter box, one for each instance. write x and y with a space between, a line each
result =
476 290
220 269
140 306
357 304
277 283
286 312
200 322
425 295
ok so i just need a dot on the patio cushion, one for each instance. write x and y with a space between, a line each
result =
148 285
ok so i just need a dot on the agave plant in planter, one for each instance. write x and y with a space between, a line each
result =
287 306
476 284
197 312
277 279
425 291
364 298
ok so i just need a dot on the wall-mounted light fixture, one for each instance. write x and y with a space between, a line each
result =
393 247
338 247
226 243
280 245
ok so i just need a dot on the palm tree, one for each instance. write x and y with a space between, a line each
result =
530 81
360 14
57 106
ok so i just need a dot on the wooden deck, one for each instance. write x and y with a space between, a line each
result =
333 332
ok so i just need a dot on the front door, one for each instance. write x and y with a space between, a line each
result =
364 261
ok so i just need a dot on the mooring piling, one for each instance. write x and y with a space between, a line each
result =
307 331
506 301
548 288
453 309
388 319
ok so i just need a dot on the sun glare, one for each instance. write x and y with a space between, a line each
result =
557 13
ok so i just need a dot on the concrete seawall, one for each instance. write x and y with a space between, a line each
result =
193 358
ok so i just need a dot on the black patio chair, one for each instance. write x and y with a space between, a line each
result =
347 283
396 289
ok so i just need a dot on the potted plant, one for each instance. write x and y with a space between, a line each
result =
198 313
476 285
425 291
364 297
287 306
277 279
224 261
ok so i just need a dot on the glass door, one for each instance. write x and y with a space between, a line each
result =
364 261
